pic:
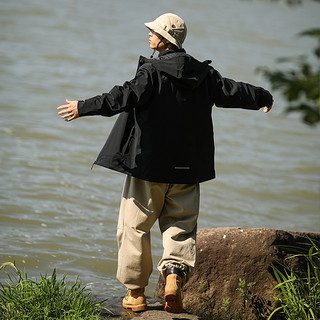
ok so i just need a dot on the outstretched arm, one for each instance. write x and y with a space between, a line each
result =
69 111
130 95
229 93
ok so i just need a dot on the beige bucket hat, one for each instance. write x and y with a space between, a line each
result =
171 27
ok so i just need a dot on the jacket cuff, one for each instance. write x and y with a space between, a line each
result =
269 100
80 108
89 107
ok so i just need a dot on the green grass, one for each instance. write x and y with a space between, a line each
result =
47 298
298 292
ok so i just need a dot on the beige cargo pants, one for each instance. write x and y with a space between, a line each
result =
176 207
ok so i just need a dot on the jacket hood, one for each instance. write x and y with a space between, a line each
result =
178 64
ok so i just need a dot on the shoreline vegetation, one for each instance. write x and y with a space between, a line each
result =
297 295
47 298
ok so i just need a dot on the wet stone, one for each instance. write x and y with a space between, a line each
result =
155 310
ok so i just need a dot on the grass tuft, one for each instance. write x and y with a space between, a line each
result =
298 292
47 298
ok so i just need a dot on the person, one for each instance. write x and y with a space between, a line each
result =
163 141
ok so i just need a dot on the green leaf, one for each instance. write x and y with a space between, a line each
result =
8 264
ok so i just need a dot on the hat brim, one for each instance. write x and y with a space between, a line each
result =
154 26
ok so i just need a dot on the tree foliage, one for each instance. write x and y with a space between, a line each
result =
294 2
300 86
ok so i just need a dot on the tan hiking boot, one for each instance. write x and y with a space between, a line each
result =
172 294
135 300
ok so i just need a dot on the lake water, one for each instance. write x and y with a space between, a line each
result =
58 213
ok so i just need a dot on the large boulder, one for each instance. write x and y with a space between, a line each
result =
226 255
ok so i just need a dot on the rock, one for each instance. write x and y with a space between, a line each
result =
225 255
156 312
113 310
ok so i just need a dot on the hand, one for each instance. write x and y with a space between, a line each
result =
267 109
69 111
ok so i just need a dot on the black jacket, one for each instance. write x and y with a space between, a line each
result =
164 132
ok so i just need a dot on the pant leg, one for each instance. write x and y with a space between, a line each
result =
141 205
178 224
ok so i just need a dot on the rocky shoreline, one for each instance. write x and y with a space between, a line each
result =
225 257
